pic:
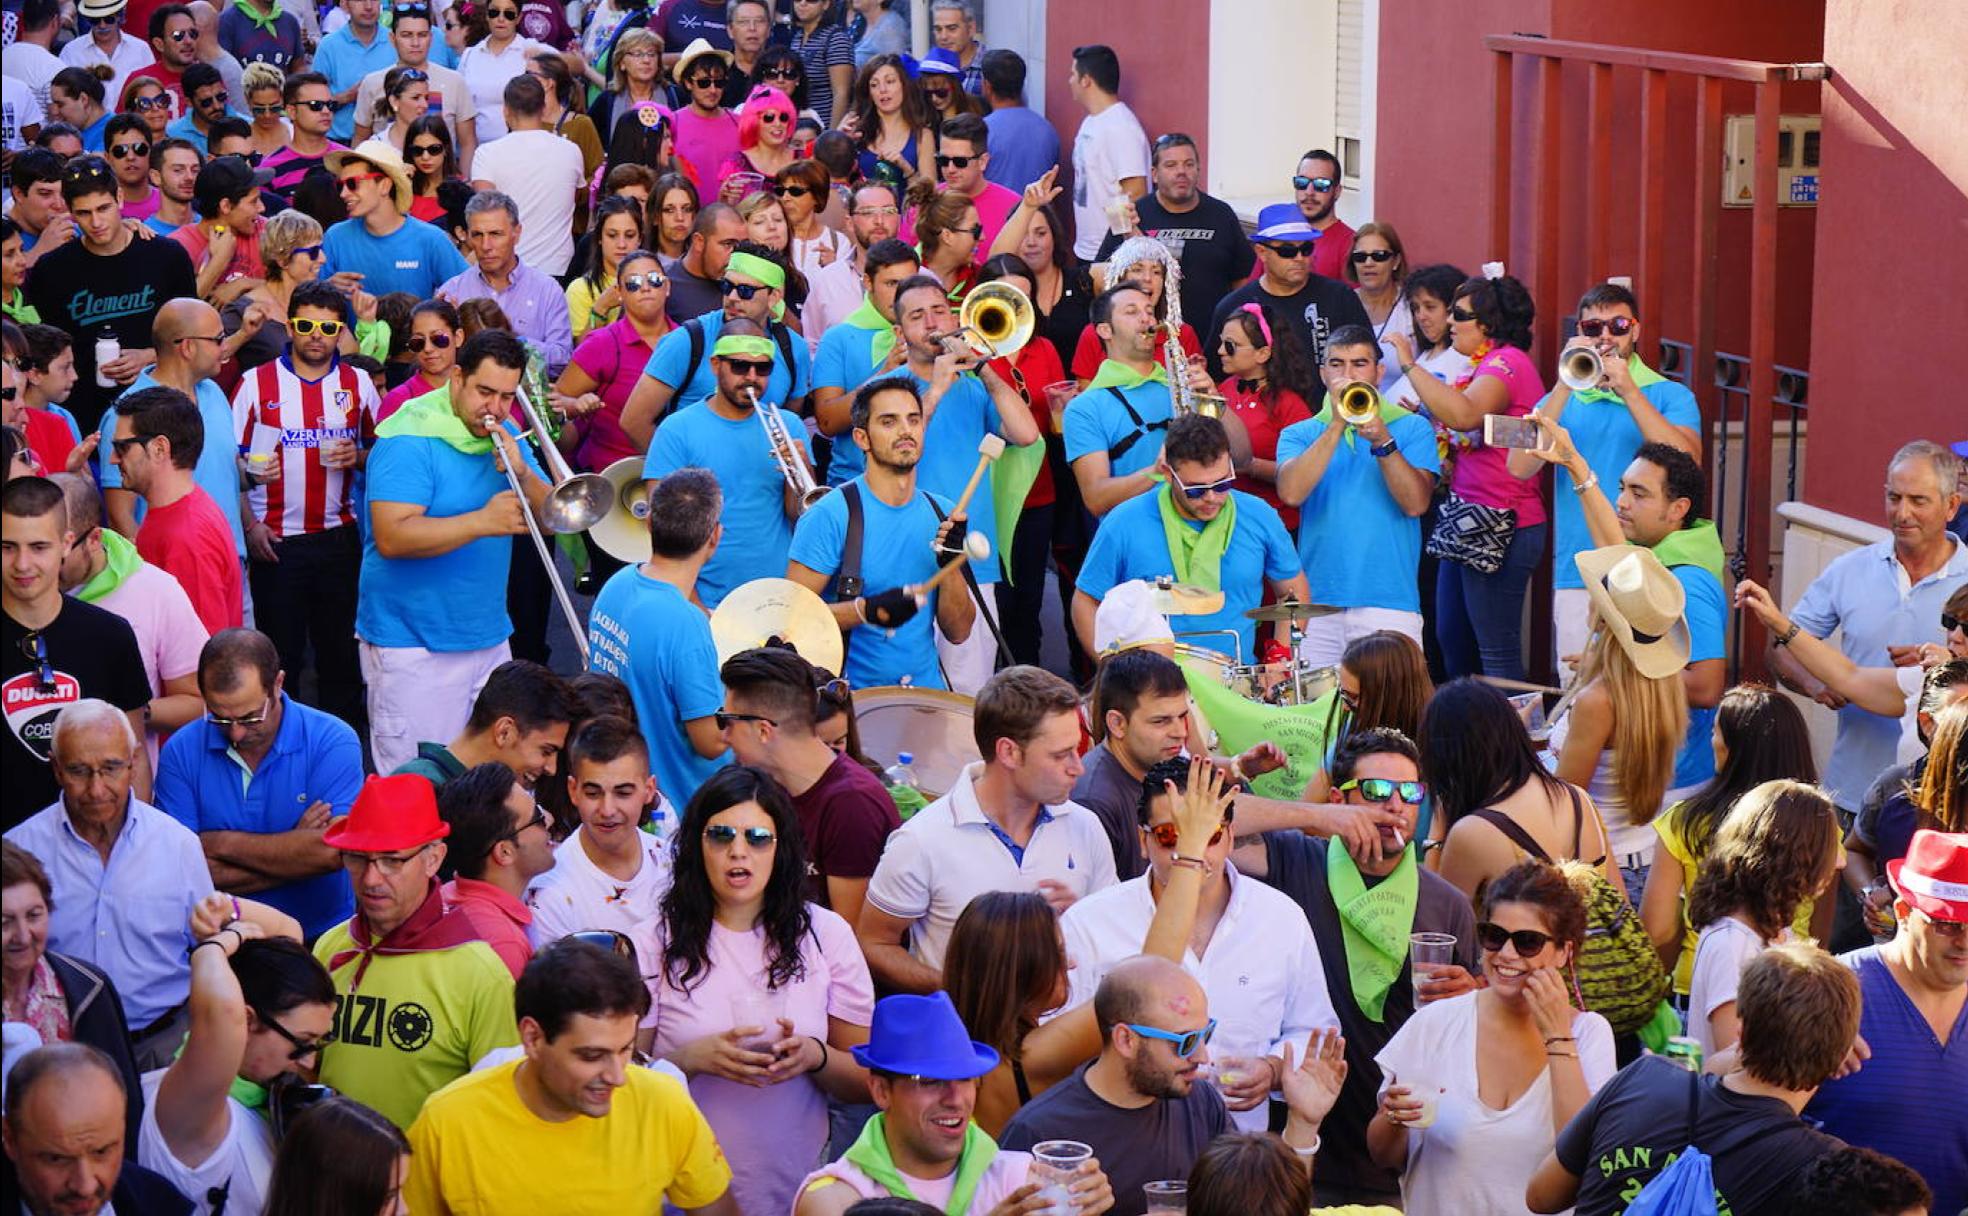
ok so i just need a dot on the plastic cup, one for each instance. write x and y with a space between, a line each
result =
1171 1196
1058 396
1429 1097
1055 1162
1119 221
758 1013
1427 951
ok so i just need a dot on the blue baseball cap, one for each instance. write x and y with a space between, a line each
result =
1283 222
922 1036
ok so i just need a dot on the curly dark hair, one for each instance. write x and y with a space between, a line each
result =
690 906
1503 308
1291 367
1547 888
1854 1181
1774 849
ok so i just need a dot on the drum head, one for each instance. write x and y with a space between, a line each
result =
931 724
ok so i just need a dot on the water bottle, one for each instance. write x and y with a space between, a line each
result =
902 788
108 350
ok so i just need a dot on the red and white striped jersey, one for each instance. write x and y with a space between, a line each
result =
276 411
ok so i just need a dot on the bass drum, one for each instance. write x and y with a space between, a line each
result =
932 725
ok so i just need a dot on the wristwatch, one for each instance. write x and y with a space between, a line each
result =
1385 450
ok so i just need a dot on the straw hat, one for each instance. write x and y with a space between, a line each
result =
698 48
1641 604
378 155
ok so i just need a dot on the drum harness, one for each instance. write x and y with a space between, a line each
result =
848 583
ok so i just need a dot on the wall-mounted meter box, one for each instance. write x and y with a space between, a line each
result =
1798 137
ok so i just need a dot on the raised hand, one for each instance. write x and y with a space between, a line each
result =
1043 191
1313 1086
1199 809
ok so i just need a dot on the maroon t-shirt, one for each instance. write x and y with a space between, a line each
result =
846 818
191 540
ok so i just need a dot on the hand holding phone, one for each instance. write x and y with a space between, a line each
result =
1505 431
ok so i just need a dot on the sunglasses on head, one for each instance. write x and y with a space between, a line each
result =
745 290
1619 327
317 104
1164 834
413 75
1526 941
1292 249
958 162
643 282
1951 623
307 327
416 343
119 151
1363 256
268 111
1321 184
1380 789
426 149
1186 1045
723 835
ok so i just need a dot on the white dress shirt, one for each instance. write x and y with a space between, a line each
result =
132 53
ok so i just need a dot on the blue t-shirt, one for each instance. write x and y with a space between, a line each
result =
416 258
1708 624
1131 544
949 456
897 550
646 634
183 127
1095 422
1604 432
671 359
455 601
315 757
217 470
94 135
344 61
1359 548
1023 146
845 360
757 533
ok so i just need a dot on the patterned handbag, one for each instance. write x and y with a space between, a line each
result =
1473 534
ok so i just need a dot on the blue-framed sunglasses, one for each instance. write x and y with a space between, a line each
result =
1186 1045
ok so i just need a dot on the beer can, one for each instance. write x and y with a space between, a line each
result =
1683 1052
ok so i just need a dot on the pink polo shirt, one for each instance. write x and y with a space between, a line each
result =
496 917
994 206
613 357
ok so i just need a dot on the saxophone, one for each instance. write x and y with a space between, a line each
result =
791 467
1183 397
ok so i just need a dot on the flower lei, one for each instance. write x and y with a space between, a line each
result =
1449 443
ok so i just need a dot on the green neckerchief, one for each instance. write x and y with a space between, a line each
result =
17 307
1114 374
431 417
870 1155
372 338
1642 377
1390 412
1196 555
1699 545
123 562
1373 924
869 317
268 22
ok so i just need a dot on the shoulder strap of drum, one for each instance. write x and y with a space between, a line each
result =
984 612
847 578
1121 447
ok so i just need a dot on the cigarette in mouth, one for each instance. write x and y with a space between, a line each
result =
1400 841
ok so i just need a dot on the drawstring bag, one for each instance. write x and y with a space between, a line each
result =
1687 1186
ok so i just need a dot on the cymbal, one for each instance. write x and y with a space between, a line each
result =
1289 610
1180 599
623 533
766 608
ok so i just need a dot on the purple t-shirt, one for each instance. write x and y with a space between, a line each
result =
1482 474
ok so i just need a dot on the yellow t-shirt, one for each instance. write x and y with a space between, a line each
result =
1667 825
581 312
478 1151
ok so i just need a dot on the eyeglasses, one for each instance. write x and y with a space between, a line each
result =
110 770
1951 623
639 54
306 251
1380 789
268 111
643 282
303 1048
1165 834
266 709
976 231
1362 256
307 327
538 819
213 338
1321 184
317 104
349 185
1459 313
745 291
212 99
1197 493
426 149
1619 327
1292 249
1186 1045
144 105
1526 941
190 35
391 864
416 343
119 151
957 162
791 191
872 212
723 835
724 719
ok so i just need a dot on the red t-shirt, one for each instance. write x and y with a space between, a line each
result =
1029 371
1263 421
191 540
846 818
1089 353
49 438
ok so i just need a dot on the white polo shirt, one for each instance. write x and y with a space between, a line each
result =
949 853
1261 971
577 894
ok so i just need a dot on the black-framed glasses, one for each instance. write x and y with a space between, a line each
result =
724 836
416 343
139 148
749 367
1321 184
253 719
307 327
724 719
1186 1044
502 14
958 162
214 338
34 645
260 111
1619 327
317 104
1199 492
1951 623
1362 256
1527 942
784 71
649 281
120 446
745 291
1459 313
302 1048
540 818
1380 789
705 80
1291 249
786 190
391 864
776 116
426 149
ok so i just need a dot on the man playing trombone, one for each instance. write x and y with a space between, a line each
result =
732 437
431 601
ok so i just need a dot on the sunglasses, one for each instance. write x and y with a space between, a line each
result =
502 14
643 282
416 343
1186 1045
725 719
724 835
1164 834
1380 789
1619 327
317 104
1951 623
119 151
120 446
612 940
1526 941
426 149
1459 313
538 819
1362 256
219 99
302 1048
775 116
1292 249
707 81
35 647
959 162
976 231
143 105
8 393
875 212
190 35
1321 184
350 185
781 73
749 367
791 191
1197 493
268 111
745 290
306 251
308 327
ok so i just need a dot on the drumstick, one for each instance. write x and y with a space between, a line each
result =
976 546
989 449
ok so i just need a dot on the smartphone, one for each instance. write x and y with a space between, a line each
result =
1504 431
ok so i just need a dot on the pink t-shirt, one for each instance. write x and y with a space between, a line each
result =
415 386
1482 474
772 1135
169 633
706 141
1007 1172
613 357
145 209
994 207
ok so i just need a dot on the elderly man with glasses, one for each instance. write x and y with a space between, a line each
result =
421 995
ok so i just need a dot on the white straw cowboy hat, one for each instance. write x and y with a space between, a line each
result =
698 48
1641 605
378 155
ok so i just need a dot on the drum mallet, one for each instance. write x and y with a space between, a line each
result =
989 449
977 547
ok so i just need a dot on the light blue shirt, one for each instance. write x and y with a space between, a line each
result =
645 633
455 601
1867 597
757 533
1359 548
1095 422
845 360
183 127
949 456
416 258
1707 615
217 470
897 550
1131 544
1023 146
672 358
315 757
345 61
131 916
1603 430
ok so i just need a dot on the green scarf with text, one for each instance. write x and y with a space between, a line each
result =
1374 924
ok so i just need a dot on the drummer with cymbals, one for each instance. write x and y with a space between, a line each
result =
872 548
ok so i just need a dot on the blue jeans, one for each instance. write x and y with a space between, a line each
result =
1480 617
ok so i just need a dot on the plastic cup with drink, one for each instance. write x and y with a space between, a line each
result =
1429 1096
1429 952
263 452
1120 212
1169 1196
1056 1163
755 1016
1058 395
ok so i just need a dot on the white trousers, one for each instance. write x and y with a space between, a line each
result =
1327 637
969 663
416 695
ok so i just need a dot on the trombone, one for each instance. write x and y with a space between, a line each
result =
1355 402
996 320
575 503
1581 368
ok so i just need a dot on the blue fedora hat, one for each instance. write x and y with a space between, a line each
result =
922 1036
1283 222
940 62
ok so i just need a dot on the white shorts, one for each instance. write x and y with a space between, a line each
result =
969 663
417 695
1327 637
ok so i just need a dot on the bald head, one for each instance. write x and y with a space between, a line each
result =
180 319
64 1128
205 17
84 507
61 1065
1151 991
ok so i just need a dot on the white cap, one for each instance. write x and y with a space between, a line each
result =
1126 618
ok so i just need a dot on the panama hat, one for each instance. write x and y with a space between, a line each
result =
698 48
96 10
1641 604
378 155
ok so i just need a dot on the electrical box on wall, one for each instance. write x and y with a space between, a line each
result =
1798 137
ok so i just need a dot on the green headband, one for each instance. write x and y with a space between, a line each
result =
743 346
750 264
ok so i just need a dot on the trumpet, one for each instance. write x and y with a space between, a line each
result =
997 320
1581 368
791 467
1355 402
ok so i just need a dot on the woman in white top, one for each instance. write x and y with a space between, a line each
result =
1477 1087
1376 266
405 98
824 255
1777 847
260 1006
495 52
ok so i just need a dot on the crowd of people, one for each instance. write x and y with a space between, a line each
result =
311 311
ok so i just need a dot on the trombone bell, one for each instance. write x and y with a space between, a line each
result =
623 531
1356 401
1581 369
997 320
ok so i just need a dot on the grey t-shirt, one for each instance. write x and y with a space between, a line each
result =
1134 1147
690 296
1106 789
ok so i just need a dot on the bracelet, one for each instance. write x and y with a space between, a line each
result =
822 1065
1590 483
1237 772
1789 635
1309 1151
1562 1055
1199 864
210 941
1559 1038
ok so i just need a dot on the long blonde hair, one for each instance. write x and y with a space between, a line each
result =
1650 719
1941 797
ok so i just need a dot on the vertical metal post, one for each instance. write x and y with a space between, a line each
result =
1503 65
1757 430
1708 214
